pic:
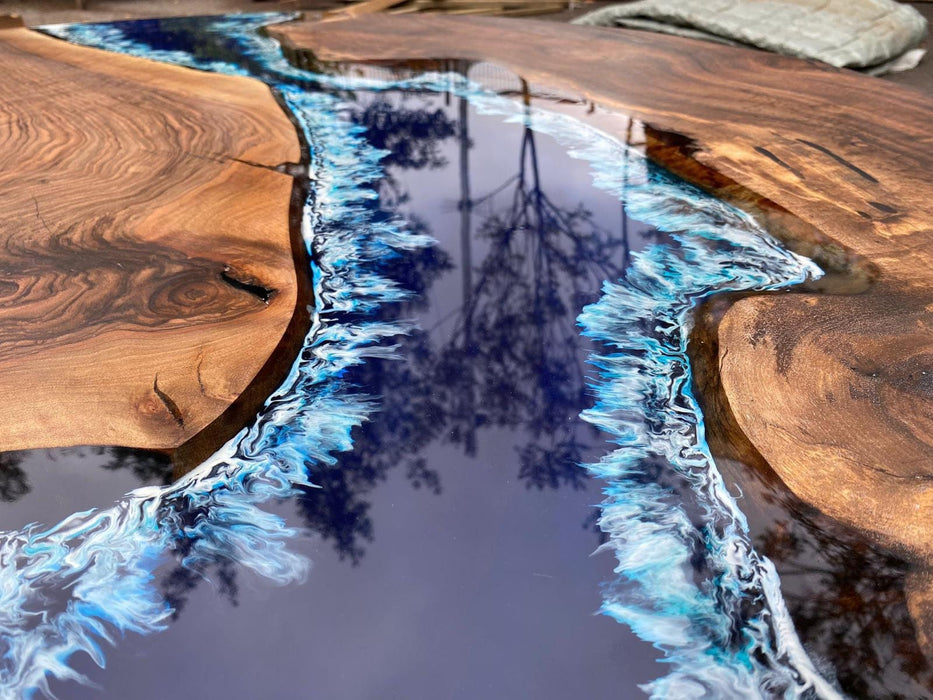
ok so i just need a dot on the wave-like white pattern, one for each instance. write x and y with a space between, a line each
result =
668 515
90 578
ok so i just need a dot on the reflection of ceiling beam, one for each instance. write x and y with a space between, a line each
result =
146 267
835 391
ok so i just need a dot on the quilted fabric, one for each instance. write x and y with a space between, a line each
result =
842 33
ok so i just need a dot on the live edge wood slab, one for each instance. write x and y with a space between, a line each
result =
146 263
835 391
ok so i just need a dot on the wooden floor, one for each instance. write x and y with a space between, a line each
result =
146 263
833 391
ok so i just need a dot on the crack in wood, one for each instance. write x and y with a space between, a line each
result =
839 159
263 293
286 168
197 369
169 403
768 154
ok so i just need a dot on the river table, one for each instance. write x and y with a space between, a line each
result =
148 263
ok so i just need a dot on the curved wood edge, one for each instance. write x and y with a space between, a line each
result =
146 263
276 368
834 392
836 148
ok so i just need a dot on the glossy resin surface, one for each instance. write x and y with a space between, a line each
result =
495 385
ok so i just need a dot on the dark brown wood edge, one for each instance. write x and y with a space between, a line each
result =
245 409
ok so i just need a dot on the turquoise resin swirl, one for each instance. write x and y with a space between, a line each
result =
727 635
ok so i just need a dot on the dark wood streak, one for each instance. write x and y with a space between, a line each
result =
146 265
828 390
768 154
883 207
169 403
839 159
270 377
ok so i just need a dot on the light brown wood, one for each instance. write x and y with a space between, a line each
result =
146 263
358 9
500 4
499 9
503 8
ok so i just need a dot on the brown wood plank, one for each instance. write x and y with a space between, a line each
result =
525 4
358 9
834 391
141 220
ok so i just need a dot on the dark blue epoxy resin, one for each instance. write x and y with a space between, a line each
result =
394 377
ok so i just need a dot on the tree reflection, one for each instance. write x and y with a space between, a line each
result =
847 601
515 358
411 137
509 357
845 595
337 509
177 584
149 467
13 482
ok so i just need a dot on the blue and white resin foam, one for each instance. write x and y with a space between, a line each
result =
89 578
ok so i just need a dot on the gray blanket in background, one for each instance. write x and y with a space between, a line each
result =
874 35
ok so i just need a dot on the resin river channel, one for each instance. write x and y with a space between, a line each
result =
494 387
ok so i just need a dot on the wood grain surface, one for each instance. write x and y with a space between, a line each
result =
834 391
146 263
